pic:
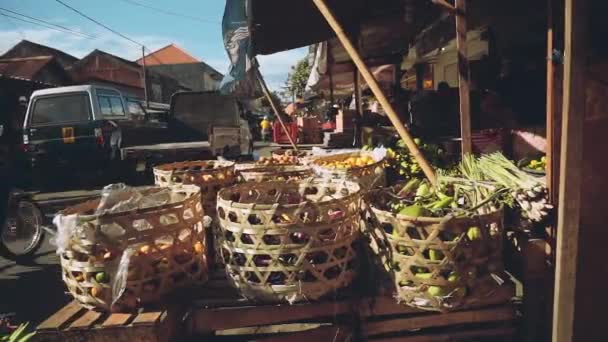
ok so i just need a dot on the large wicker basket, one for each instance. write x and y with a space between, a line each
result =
254 173
368 176
166 245
290 241
440 264
210 175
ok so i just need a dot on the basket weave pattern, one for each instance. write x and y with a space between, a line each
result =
273 173
369 176
168 247
278 246
439 264
210 175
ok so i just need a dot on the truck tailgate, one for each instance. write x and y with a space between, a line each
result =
167 152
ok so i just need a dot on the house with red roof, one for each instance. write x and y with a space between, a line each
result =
174 62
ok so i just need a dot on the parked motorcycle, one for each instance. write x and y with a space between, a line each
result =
22 232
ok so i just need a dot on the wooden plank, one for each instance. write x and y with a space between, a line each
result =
270 329
569 209
463 76
149 318
236 317
86 321
116 320
504 313
452 336
321 334
62 316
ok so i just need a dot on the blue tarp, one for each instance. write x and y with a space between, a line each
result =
240 80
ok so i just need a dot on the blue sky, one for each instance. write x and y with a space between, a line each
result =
152 28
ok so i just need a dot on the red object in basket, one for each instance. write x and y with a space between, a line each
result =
279 136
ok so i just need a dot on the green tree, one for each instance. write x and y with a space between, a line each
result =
297 78
276 98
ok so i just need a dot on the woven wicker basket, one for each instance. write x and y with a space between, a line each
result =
168 244
299 154
440 264
254 173
290 241
369 176
210 175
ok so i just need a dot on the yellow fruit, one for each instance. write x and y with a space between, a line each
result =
436 291
453 277
79 278
102 277
435 255
145 249
199 248
424 275
474 233
95 291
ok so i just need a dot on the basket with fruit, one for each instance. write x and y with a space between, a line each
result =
289 241
293 156
150 243
442 245
256 173
363 167
209 175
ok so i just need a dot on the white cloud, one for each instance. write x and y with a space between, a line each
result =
275 67
80 46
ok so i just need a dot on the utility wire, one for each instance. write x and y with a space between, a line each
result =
8 19
167 12
48 23
44 25
98 23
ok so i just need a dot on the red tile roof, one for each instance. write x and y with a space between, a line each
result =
25 68
170 54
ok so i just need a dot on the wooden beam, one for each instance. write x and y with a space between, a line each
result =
275 108
550 105
445 5
375 87
569 209
463 77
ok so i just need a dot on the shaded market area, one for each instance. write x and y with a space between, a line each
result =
435 178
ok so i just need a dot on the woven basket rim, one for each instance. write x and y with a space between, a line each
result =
218 165
259 206
316 160
275 168
192 191
426 219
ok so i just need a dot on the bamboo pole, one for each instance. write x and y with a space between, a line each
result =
463 77
274 107
373 84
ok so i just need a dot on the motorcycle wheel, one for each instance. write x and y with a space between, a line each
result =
22 234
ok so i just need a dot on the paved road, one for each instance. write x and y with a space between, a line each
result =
34 292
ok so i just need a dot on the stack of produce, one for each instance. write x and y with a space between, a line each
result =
131 247
403 163
255 173
441 245
367 168
537 165
290 153
278 160
289 241
529 193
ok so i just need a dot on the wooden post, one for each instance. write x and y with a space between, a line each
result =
143 66
373 84
571 169
463 76
550 115
274 107
330 62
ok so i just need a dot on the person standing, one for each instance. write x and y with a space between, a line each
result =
265 126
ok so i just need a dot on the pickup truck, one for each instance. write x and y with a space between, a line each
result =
202 125
69 131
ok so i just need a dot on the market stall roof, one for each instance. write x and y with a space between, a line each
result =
278 25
